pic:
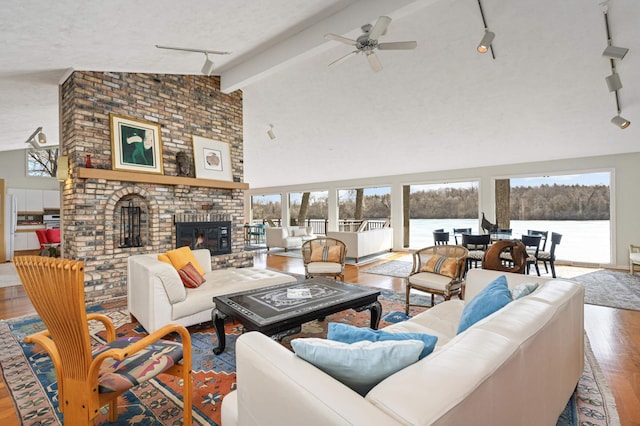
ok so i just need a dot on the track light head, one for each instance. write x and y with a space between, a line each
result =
623 123
207 68
488 37
614 52
613 82
270 132
42 138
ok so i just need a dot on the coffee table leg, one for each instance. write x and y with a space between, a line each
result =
218 323
376 313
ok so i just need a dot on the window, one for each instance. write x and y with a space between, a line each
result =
375 207
42 162
266 207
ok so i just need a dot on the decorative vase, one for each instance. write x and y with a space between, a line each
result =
88 163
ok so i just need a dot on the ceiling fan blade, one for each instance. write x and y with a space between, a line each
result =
398 45
341 39
379 28
344 58
374 62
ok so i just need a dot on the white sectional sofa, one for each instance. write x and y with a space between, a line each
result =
518 366
288 236
156 295
364 243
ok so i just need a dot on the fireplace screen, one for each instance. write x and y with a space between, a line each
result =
130 226
215 236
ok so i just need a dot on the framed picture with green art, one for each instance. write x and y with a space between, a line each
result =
136 145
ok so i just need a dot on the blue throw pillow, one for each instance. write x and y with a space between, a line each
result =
349 334
360 365
493 297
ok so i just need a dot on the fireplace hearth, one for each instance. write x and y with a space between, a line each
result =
212 232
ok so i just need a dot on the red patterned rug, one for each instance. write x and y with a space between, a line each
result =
31 381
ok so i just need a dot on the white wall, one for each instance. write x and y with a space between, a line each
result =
625 191
13 169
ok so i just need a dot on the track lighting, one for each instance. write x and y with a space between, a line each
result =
485 44
270 132
614 52
613 82
42 138
623 123
207 68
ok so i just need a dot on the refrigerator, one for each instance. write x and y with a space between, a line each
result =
10 223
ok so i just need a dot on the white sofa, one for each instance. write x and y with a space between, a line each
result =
364 243
288 236
518 366
156 296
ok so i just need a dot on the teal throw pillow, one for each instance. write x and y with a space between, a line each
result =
493 297
522 290
360 365
346 333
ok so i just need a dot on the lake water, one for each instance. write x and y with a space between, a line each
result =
585 241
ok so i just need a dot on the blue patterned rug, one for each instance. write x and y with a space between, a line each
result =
31 381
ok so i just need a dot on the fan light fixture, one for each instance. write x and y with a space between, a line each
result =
485 44
613 81
42 138
270 132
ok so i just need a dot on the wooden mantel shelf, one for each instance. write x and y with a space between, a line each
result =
84 173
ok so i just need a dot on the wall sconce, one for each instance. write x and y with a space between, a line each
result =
62 172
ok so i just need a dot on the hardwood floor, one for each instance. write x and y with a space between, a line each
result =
614 335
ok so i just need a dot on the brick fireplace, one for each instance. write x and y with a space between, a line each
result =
183 106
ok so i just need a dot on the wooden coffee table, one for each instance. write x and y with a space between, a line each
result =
275 311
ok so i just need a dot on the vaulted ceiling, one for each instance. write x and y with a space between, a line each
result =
440 106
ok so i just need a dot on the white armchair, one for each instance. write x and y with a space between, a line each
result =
634 257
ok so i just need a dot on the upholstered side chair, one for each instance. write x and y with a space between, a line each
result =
324 256
89 379
436 269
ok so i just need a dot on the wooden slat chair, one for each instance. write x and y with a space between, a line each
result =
324 256
90 380
436 269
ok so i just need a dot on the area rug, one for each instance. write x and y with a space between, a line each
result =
392 268
349 261
31 380
611 288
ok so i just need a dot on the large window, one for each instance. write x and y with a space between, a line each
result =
42 162
441 206
265 208
576 206
357 205
310 209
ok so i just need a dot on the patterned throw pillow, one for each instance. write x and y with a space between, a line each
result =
190 276
320 253
442 265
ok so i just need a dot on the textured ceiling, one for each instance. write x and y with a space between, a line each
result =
441 106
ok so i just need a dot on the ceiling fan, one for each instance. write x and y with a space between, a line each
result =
367 43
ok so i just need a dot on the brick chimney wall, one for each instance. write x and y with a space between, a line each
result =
183 106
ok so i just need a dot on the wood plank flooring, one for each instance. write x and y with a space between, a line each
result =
614 335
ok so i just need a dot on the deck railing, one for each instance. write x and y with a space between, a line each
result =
319 226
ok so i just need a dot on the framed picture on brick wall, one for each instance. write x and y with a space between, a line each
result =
212 159
136 145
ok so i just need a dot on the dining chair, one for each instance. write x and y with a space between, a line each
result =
90 379
550 256
324 256
476 245
543 242
437 269
457 232
440 237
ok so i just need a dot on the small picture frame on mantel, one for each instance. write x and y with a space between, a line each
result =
136 145
212 159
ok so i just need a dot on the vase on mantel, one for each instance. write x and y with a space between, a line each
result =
88 163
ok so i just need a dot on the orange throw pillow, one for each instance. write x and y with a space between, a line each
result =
181 256
442 265
320 253
164 258
190 276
